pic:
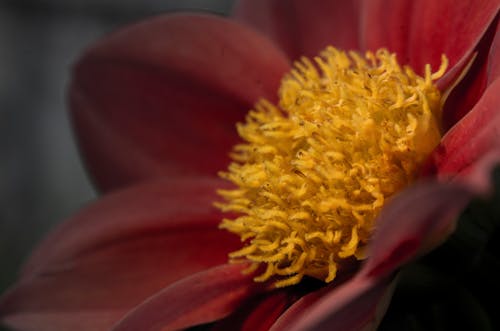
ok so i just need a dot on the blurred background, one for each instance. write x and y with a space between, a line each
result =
41 178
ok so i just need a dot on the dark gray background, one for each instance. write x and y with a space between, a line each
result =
41 178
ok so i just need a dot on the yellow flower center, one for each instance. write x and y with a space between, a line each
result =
314 172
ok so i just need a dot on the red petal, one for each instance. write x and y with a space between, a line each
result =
63 320
476 134
258 314
494 57
301 27
117 252
415 221
478 174
421 31
359 304
162 96
155 207
466 94
199 299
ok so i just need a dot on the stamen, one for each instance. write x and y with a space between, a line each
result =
314 172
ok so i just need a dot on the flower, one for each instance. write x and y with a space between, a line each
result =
154 106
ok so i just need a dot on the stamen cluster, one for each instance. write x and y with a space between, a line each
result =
314 172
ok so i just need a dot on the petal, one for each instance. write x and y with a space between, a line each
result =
199 299
479 175
466 94
163 205
301 27
359 304
117 252
421 31
494 56
161 97
472 137
258 314
415 221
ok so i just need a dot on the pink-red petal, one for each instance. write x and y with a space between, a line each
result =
202 298
494 56
182 204
421 31
117 252
472 137
359 304
465 95
302 27
161 97
259 313
415 221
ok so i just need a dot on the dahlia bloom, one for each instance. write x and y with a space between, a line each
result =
154 107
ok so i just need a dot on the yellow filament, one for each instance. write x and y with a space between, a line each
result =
314 172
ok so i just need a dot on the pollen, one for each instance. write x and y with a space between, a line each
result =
314 171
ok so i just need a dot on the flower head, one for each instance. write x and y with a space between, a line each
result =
154 107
